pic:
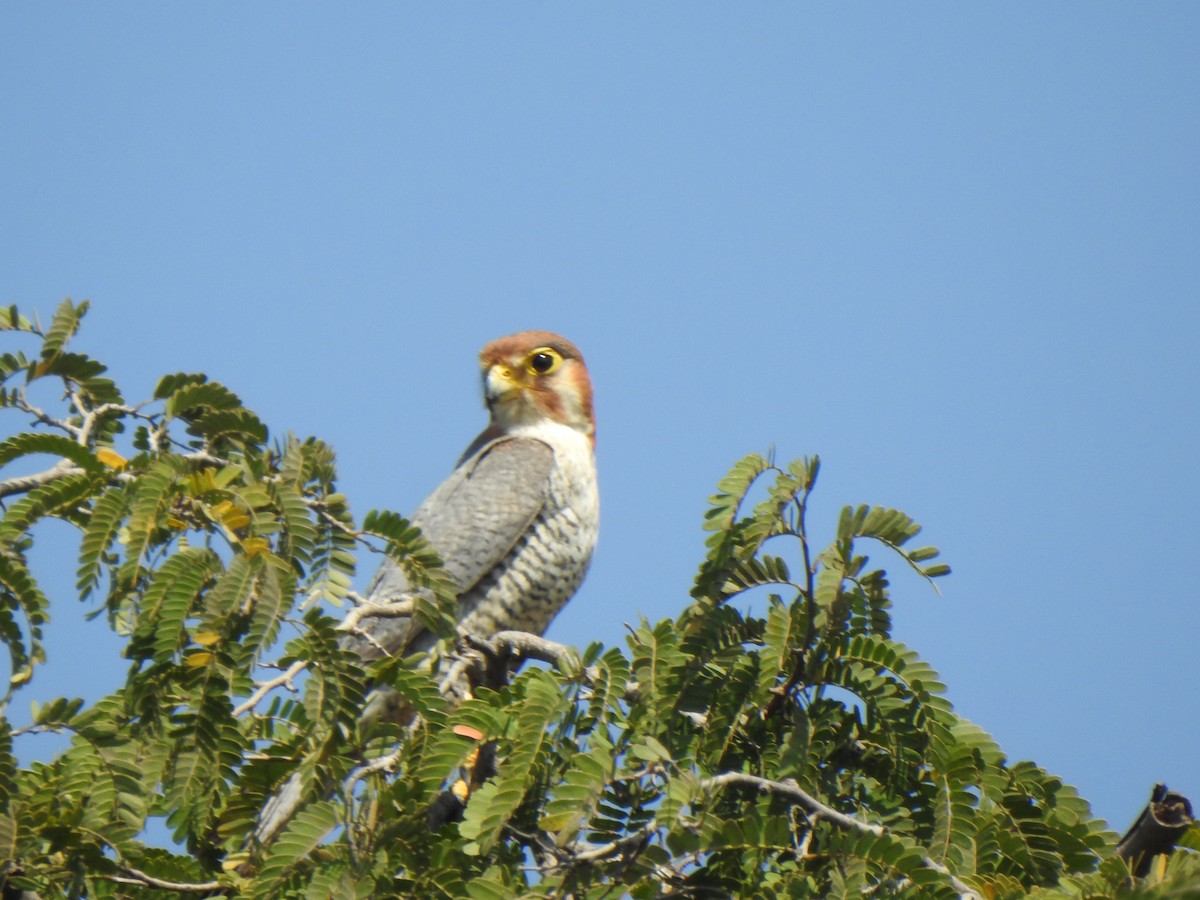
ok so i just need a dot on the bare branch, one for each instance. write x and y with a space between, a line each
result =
265 687
136 876
65 468
792 792
789 790
401 609
317 505
599 851
22 403
91 417
385 763
25 483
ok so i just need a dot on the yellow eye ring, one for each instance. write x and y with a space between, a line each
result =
543 361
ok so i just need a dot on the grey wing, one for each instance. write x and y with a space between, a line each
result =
473 520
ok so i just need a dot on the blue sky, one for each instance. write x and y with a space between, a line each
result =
953 249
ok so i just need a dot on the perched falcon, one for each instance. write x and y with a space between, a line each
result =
516 522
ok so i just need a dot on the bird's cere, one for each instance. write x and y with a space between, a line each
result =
498 383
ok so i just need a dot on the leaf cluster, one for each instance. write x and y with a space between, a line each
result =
214 553
773 739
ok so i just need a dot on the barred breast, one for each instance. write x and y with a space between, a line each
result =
515 526
548 563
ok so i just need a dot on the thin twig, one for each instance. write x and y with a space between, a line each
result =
265 687
136 876
88 417
385 763
372 640
64 468
401 609
22 403
599 851
789 790
792 792
25 483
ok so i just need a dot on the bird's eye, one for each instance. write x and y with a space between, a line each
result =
544 360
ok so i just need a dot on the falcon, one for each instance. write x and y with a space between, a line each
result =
514 524
517 520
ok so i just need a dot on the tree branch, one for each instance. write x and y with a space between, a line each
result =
91 416
401 609
40 415
265 687
136 876
385 763
64 468
790 791
453 679
599 851
25 483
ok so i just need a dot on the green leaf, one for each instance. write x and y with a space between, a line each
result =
272 601
111 781
11 320
576 796
732 489
299 533
334 691
63 327
235 586
151 493
656 657
84 372
19 591
193 398
893 528
171 597
237 424
57 712
8 776
60 497
485 888
169 384
755 572
296 843
8 837
332 566
609 683
781 641
436 610
890 857
491 806
208 749
108 512
54 444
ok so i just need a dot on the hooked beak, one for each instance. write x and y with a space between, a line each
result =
499 383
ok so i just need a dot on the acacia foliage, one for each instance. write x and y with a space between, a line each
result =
773 739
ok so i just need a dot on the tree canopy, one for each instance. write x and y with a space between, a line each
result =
773 739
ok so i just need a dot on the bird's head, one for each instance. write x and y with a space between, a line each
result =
535 376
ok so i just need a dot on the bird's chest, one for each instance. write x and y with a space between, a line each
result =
573 507
548 563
